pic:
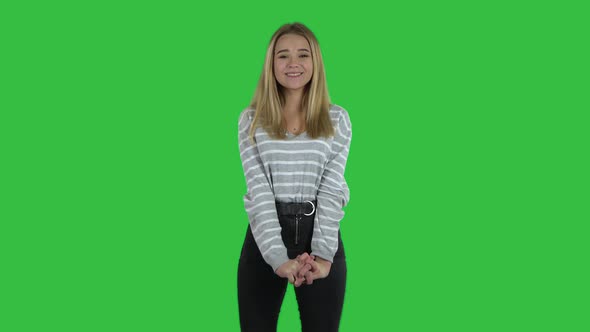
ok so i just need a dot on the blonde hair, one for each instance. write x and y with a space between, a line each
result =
269 99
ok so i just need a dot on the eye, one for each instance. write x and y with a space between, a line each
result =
304 56
282 56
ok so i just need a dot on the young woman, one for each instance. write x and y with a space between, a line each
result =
294 147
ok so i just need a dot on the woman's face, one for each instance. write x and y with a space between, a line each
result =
293 66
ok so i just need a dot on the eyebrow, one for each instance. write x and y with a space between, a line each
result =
286 50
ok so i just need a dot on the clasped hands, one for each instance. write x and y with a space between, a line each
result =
304 268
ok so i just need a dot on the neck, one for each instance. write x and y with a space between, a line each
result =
293 101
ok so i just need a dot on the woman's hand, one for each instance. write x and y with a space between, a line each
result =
312 268
303 259
304 269
289 270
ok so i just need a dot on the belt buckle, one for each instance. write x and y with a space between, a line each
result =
313 205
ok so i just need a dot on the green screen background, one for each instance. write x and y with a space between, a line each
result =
122 187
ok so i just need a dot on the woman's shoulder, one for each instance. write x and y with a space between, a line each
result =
248 113
339 114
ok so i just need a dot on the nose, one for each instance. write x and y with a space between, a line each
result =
293 62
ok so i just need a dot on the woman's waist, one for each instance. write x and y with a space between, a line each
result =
305 208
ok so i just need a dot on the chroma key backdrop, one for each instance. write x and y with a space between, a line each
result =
121 204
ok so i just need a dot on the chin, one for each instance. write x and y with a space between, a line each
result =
298 87
293 86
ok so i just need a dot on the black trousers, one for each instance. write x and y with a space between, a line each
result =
261 291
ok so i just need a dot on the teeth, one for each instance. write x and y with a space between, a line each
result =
294 75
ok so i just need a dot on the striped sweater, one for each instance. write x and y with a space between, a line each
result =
296 169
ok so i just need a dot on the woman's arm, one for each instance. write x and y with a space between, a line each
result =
260 199
333 193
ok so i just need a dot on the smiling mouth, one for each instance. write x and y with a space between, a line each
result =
294 74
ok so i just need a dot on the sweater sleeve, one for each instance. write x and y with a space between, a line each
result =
333 193
259 200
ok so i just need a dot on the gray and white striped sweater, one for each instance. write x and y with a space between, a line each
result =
296 169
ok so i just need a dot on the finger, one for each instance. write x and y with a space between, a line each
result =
309 277
314 266
305 261
306 268
299 281
290 276
303 258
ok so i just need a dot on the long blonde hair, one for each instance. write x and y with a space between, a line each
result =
269 99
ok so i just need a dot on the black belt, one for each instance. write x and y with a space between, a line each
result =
306 208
